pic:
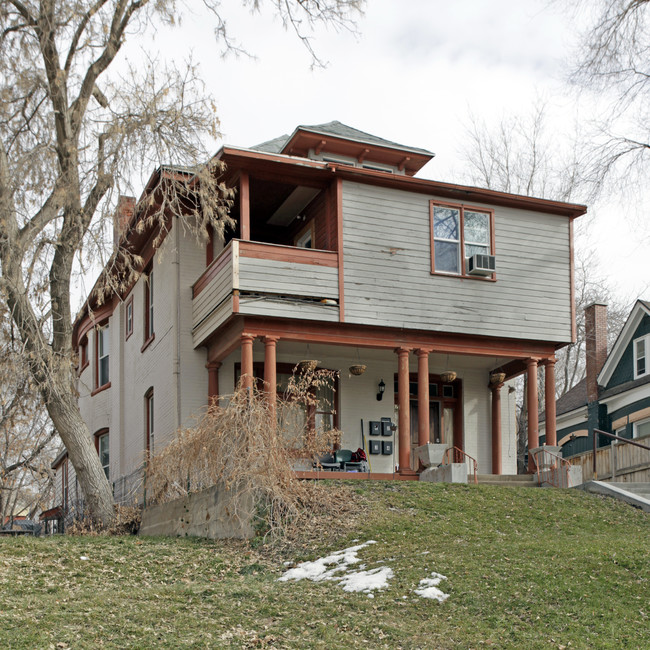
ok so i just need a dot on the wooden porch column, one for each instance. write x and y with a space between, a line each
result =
244 207
270 372
404 423
213 380
247 360
496 428
423 396
533 411
549 402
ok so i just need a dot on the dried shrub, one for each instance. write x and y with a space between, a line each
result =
245 448
126 522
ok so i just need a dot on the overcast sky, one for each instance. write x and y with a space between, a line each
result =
413 74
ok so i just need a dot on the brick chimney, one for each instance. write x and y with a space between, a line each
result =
596 345
123 214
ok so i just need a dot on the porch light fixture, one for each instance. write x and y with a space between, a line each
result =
381 389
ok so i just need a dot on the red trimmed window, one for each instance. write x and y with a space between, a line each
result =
128 318
103 451
102 349
83 354
457 233
148 306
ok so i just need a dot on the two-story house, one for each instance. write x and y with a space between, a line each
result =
614 396
341 255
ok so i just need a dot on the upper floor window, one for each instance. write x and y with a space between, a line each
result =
148 306
83 354
101 442
457 233
103 349
641 349
642 428
128 318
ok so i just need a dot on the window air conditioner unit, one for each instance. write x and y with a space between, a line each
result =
481 265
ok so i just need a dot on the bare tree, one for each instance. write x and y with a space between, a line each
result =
613 62
27 439
72 132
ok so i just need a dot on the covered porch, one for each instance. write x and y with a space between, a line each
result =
405 383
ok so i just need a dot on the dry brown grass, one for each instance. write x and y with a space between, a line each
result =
240 445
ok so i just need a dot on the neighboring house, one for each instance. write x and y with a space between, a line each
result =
615 394
340 254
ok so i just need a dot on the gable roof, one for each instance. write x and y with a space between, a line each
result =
272 146
641 308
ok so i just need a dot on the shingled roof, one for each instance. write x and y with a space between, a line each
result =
339 130
571 400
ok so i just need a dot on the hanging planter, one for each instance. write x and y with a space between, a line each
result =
308 365
357 369
497 378
448 376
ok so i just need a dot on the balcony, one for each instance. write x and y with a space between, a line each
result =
261 279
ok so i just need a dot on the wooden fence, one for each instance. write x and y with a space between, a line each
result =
618 462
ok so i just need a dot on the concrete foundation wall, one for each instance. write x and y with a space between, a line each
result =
204 514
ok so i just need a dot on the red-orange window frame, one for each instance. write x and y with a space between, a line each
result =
128 327
461 207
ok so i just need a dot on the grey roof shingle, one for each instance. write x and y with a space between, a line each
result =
272 146
571 400
339 130
349 133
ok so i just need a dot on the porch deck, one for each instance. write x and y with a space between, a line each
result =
355 476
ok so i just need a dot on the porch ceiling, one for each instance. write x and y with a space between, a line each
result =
351 355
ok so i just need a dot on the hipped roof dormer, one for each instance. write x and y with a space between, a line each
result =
349 144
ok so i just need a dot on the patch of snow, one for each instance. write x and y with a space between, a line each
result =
335 566
318 570
429 588
367 581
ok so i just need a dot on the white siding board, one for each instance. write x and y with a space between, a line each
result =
284 309
530 300
272 276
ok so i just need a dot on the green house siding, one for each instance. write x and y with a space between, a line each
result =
628 410
572 447
624 370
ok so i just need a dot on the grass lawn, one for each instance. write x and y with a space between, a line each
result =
525 568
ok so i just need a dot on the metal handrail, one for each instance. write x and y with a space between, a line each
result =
459 453
554 476
615 437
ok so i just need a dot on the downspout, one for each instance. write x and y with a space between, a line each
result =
177 301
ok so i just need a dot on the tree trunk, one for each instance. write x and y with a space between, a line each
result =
65 414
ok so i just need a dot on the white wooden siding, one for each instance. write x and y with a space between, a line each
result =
288 278
387 264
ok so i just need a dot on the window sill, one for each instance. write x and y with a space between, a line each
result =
147 343
458 276
100 389
128 335
83 367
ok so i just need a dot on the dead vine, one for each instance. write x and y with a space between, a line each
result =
249 449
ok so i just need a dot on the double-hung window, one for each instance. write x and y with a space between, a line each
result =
641 350
148 421
457 233
149 305
103 349
103 451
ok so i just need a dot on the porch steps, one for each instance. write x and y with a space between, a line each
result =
508 480
636 494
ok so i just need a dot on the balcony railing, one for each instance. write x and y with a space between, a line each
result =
268 280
